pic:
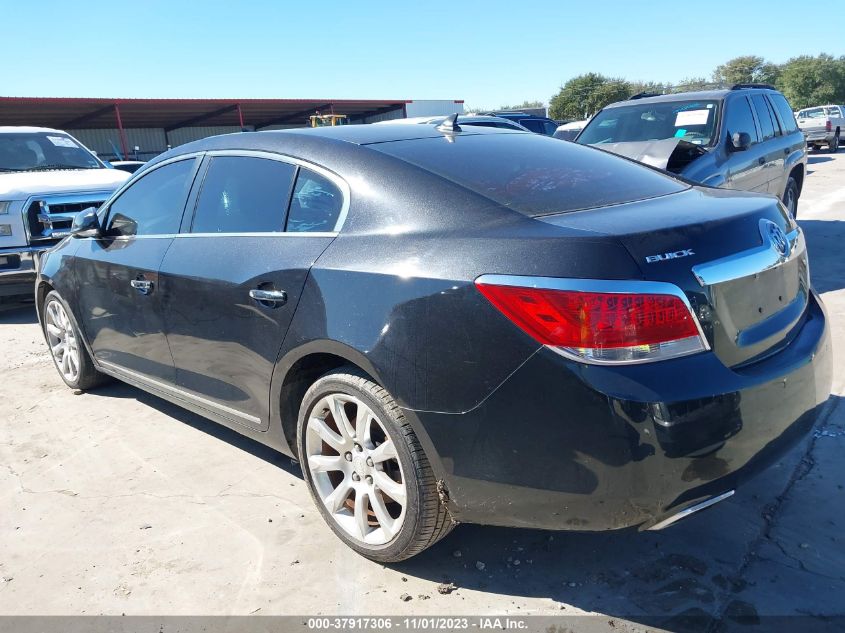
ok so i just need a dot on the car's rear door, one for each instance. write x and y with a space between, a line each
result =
119 298
232 279
771 142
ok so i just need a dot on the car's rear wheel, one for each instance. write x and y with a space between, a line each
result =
66 347
790 197
833 146
366 470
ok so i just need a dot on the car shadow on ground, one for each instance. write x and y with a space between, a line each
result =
18 315
118 389
825 240
814 160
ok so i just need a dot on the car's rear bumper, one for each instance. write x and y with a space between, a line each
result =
822 136
17 270
562 445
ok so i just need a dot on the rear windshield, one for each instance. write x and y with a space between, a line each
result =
533 174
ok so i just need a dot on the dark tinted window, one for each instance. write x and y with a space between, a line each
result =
153 205
534 174
763 116
242 194
739 118
774 117
535 125
785 113
316 203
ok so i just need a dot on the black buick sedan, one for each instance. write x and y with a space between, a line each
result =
447 325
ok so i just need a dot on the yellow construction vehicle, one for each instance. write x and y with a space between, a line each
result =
322 120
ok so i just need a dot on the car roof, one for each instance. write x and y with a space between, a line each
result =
26 129
366 134
712 95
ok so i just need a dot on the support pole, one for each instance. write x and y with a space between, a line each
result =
241 117
121 132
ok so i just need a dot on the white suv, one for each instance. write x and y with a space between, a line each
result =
46 178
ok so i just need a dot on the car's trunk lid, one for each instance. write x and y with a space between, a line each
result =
726 251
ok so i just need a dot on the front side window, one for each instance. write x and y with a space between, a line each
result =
153 205
315 205
692 121
243 194
738 118
43 151
763 117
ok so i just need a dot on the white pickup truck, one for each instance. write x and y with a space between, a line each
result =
46 178
822 125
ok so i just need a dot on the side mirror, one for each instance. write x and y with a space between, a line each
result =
86 223
740 141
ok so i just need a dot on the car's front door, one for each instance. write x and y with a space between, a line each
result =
117 274
232 280
745 169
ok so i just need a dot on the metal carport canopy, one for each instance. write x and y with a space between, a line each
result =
171 114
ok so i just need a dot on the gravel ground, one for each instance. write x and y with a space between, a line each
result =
117 502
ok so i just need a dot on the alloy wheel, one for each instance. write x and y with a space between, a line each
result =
62 340
355 469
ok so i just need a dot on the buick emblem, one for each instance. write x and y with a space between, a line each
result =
775 236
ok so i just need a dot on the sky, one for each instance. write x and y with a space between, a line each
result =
488 53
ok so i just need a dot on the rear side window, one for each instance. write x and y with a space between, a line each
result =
739 118
316 203
243 194
534 174
153 205
763 116
785 113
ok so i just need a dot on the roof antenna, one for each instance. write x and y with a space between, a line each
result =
450 124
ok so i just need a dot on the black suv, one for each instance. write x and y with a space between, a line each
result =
744 137
537 124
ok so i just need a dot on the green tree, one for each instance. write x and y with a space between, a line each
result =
745 70
807 81
693 83
524 104
583 96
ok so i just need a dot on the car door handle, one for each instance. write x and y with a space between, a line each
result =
142 285
274 297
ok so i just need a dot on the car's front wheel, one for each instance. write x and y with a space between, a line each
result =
366 470
66 347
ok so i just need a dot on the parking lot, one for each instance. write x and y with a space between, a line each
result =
115 502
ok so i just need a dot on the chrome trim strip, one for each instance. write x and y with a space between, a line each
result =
597 285
284 158
214 407
161 236
691 510
749 262
267 234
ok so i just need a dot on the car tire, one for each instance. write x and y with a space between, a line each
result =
70 356
790 197
833 146
374 486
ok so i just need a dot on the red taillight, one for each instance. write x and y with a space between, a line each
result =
610 326
827 126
